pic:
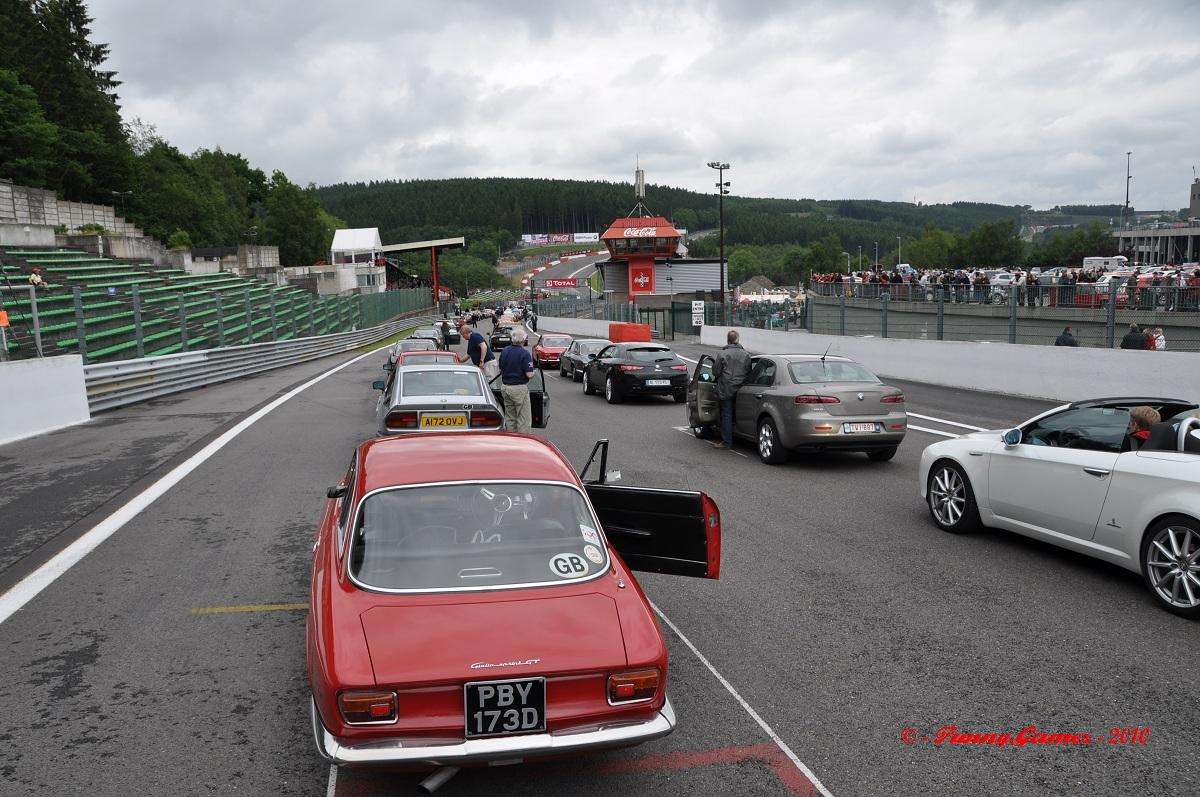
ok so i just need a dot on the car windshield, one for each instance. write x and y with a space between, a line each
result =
804 373
591 346
556 341
440 383
649 355
480 536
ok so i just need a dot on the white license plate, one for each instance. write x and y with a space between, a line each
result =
855 428
657 382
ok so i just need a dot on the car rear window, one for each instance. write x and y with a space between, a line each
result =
649 355
812 371
557 341
475 536
429 359
440 383
417 344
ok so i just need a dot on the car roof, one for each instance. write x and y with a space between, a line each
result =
801 358
1133 400
459 456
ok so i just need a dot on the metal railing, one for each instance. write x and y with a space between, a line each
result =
115 384
1100 316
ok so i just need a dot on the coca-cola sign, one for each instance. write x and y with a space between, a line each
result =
640 232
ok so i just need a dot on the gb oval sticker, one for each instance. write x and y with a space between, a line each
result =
568 565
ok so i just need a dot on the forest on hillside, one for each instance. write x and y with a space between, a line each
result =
61 129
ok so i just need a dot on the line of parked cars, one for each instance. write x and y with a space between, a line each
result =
454 568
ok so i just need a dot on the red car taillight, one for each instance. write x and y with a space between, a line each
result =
678 367
368 706
817 400
401 420
630 367
896 399
481 418
627 687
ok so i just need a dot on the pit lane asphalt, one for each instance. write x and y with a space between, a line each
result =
842 616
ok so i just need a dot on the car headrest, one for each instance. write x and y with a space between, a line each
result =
1162 437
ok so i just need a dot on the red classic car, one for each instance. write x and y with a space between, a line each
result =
472 603
549 349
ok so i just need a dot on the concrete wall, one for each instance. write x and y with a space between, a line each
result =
38 396
574 326
23 205
1050 372
15 234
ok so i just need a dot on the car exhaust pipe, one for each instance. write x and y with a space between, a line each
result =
438 779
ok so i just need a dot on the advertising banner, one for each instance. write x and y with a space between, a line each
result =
539 238
586 237
527 238
641 277
560 238
561 283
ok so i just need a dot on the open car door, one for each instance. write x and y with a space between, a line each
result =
539 399
702 391
661 531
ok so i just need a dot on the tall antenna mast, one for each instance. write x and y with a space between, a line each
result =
1128 177
639 181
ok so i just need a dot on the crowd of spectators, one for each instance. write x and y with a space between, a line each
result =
1172 288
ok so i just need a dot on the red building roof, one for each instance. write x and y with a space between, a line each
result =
641 227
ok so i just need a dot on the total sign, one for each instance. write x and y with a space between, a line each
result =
641 278
560 283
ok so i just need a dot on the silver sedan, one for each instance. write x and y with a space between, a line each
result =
804 402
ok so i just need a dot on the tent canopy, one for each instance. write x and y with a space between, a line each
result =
362 239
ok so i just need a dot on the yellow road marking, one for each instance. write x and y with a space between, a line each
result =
250 607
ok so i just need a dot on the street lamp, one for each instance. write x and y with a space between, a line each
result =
860 257
897 250
722 190
876 263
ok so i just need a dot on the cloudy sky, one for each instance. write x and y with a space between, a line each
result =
1016 102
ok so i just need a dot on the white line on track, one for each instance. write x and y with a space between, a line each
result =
948 423
932 431
29 587
331 788
808 773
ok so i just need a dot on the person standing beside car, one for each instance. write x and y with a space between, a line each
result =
477 348
516 369
730 370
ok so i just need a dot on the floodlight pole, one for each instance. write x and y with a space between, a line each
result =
722 187
433 269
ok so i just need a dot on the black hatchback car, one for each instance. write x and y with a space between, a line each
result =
636 369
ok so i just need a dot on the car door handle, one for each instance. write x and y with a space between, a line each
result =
759 395
1099 473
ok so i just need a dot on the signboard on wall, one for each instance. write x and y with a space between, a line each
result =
561 283
698 313
586 237
539 238
561 238
641 277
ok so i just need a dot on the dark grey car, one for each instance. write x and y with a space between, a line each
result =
804 402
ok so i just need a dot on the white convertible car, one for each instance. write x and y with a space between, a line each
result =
1074 477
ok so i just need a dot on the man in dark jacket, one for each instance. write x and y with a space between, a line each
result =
1134 338
477 348
730 370
1066 338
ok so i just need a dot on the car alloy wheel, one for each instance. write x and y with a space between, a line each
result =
611 394
947 496
1170 562
770 450
587 384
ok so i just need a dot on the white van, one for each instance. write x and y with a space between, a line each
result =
1114 263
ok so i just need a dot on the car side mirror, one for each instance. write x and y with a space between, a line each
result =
1011 438
337 491
379 384
389 367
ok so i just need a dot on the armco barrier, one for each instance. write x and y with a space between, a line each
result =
116 384
1052 372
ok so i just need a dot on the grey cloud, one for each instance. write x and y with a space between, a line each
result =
1000 101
